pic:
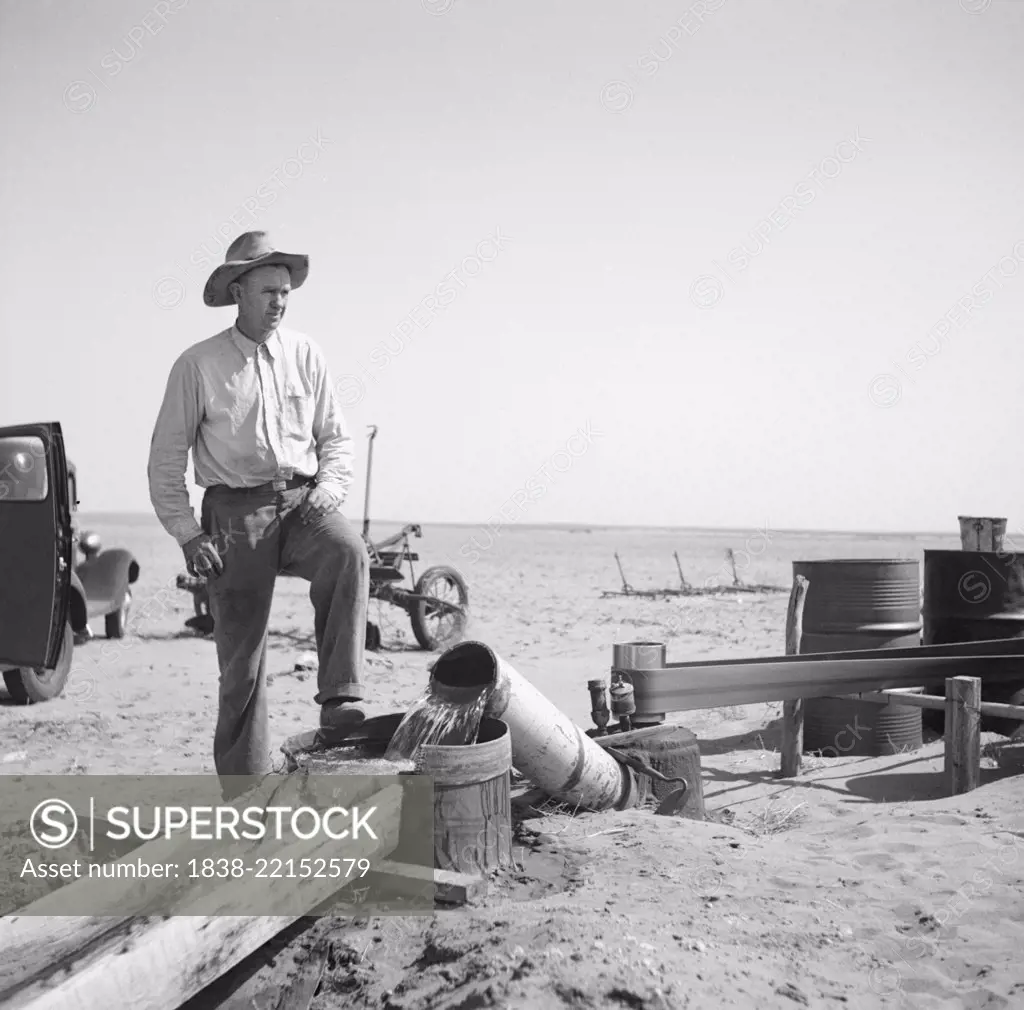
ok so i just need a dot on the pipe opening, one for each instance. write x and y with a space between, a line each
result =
467 666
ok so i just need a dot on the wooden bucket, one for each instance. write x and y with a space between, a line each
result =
472 800
472 785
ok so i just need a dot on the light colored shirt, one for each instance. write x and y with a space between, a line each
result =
250 413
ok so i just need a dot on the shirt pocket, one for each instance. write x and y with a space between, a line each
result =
297 407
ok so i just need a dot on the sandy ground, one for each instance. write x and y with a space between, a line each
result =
857 884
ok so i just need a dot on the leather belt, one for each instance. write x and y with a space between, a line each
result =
276 486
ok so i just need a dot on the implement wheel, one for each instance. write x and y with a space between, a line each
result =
435 626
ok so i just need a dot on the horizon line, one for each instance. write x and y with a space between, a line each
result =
607 526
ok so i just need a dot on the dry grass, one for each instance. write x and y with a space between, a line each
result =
757 757
574 827
552 807
557 811
815 762
773 820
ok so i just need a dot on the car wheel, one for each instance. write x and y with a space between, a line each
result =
117 622
27 687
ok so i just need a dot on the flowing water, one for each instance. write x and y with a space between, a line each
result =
352 761
437 722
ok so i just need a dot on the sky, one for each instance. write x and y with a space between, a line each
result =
715 263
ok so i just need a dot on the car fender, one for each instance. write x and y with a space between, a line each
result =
106 578
79 607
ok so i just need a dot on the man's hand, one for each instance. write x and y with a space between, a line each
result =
317 503
201 557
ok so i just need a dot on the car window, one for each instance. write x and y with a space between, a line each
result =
23 469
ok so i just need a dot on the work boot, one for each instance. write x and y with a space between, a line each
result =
341 715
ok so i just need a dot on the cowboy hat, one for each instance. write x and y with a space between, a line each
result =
248 251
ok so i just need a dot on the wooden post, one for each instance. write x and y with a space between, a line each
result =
979 533
731 558
793 711
963 736
626 587
682 578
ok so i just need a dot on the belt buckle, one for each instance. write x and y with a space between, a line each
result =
279 484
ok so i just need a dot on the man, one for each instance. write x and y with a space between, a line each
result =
255 406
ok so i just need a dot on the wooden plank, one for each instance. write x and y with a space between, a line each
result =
793 710
900 698
449 887
1002 709
33 943
132 896
153 963
120 969
158 962
963 734
934 701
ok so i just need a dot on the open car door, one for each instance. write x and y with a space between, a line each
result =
35 545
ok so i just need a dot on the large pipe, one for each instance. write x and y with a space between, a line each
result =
547 746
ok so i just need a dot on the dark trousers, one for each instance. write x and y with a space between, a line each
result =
260 535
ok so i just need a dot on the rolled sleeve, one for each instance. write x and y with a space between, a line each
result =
174 435
334 445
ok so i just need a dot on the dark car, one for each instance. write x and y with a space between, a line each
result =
101 581
47 595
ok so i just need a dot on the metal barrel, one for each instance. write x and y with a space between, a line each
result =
853 604
973 596
638 656
672 750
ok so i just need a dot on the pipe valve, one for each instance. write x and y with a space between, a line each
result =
623 702
598 706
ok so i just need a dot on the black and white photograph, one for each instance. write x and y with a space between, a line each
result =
512 505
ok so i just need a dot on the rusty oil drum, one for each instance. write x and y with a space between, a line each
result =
973 596
670 749
856 604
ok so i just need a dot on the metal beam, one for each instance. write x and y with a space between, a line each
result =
987 647
679 687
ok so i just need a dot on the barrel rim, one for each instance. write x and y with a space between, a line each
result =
449 766
1014 616
501 741
894 628
859 561
500 728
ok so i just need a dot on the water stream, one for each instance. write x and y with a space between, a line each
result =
438 722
